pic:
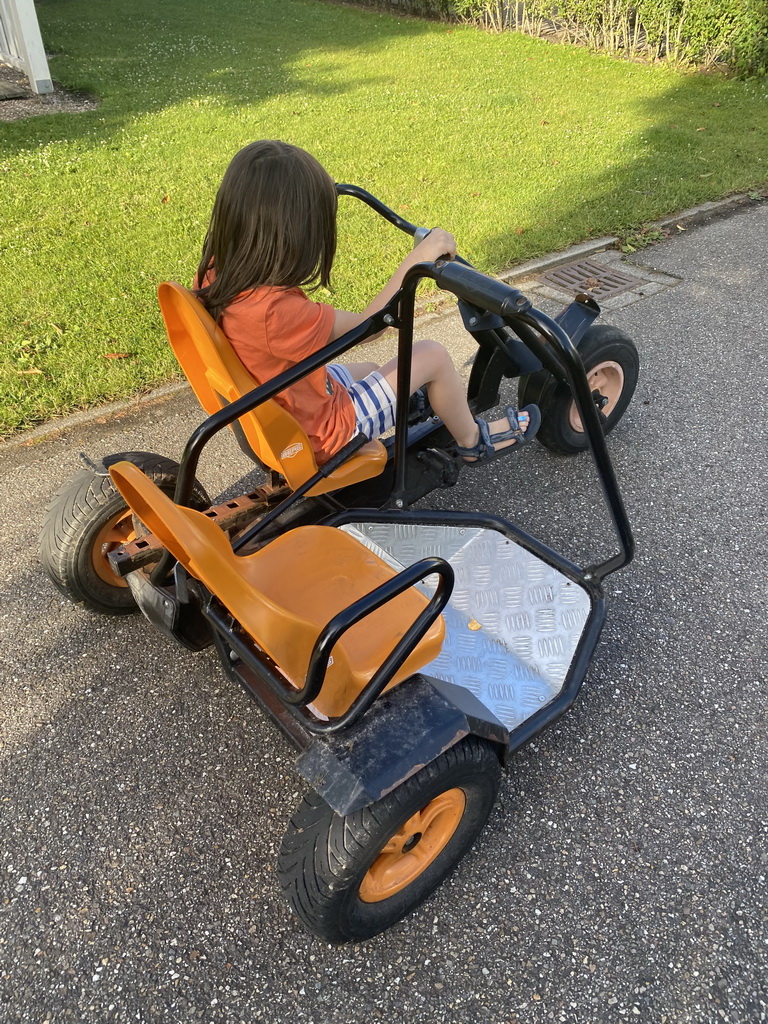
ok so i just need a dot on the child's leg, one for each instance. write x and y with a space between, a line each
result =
360 370
432 365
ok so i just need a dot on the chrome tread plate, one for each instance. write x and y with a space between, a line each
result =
513 622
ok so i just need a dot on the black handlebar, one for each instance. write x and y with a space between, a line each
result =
381 208
418 234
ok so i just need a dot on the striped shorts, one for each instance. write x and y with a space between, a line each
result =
373 399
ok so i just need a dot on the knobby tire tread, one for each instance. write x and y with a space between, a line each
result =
73 512
322 855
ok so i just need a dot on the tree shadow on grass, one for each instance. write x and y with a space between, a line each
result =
101 205
141 57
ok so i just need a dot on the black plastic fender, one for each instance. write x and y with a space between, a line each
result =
407 728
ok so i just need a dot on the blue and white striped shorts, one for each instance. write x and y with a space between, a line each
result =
372 397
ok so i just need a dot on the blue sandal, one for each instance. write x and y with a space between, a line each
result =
484 451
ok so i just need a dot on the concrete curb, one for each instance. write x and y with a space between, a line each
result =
706 212
55 428
696 215
532 268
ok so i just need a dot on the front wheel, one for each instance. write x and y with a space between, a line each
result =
89 518
612 364
350 877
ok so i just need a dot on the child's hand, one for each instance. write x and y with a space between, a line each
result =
437 244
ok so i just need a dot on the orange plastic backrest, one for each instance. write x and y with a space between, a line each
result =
218 378
285 593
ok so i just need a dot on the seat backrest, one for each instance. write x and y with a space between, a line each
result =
218 378
205 551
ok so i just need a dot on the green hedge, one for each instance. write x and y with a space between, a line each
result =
702 32
698 32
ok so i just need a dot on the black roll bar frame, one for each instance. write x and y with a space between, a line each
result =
486 293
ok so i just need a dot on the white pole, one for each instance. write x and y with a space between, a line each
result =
25 44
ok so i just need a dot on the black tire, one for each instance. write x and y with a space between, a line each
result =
87 518
609 356
332 869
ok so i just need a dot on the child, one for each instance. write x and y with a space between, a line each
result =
272 234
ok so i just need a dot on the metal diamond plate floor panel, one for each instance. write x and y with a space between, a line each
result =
513 622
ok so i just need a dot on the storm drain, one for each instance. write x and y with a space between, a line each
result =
599 280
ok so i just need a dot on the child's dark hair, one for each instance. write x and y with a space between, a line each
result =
273 223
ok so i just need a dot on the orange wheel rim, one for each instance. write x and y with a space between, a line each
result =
116 532
608 379
415 845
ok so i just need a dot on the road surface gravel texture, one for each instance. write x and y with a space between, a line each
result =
622 875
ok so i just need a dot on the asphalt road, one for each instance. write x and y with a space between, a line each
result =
623 873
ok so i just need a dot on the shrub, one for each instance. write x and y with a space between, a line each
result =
697 32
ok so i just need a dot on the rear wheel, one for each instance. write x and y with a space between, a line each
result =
612 364
350 877
89 518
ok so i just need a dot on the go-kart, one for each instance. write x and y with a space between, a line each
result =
405 654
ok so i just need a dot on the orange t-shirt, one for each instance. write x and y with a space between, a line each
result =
271 329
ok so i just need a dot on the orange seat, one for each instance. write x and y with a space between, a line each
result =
218 378
284 594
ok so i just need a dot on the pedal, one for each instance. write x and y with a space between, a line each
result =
441 462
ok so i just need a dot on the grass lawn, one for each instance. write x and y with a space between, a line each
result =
516 145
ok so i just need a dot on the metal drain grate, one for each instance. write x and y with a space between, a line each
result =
590 276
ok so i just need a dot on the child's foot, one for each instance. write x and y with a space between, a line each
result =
496 438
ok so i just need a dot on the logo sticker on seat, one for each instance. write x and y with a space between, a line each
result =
291 450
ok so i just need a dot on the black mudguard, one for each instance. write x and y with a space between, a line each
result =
407 728
180 620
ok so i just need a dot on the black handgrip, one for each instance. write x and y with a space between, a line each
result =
483 292
343 454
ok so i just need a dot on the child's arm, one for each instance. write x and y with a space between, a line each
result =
437 243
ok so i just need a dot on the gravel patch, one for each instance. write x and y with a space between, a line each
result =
30 104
